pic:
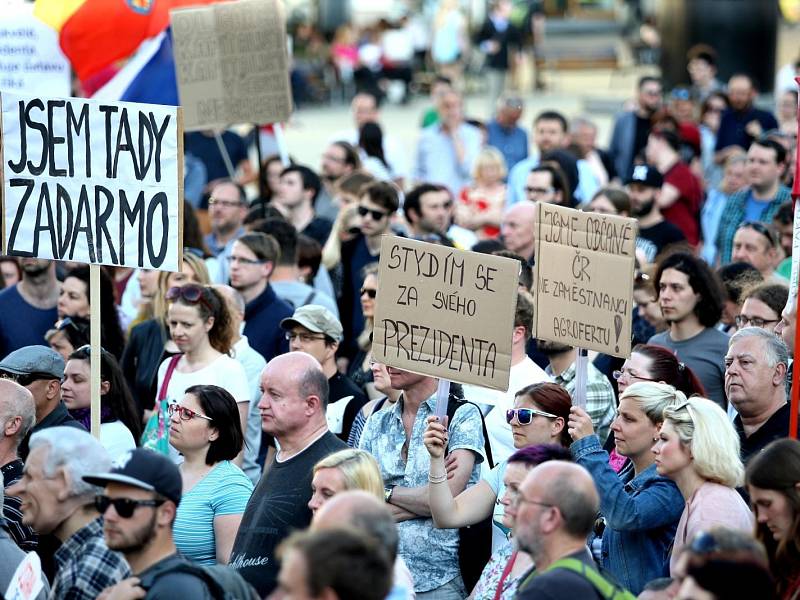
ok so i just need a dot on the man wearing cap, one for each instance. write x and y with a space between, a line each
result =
293 401
655 233
314 329
56 500
40 369
141 497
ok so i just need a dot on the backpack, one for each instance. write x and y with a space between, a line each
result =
607 589
474 541
223 582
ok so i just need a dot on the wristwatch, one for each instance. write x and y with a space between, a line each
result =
387 493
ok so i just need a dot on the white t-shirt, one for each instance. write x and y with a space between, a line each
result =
116 439
225 372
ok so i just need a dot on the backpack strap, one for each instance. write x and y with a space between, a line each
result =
603 586
453 404
309 297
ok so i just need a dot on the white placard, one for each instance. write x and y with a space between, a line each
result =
92 182
27 580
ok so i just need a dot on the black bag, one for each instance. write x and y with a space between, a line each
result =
223 582
474 541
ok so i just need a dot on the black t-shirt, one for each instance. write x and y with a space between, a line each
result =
161 583
342 387
560 583
643 126
318 229
776 427
278 506
662 235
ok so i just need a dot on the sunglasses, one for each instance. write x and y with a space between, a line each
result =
369 292
186 414
762 229
525 415
25 379
125 507
67 322
376 215
85 352
190 293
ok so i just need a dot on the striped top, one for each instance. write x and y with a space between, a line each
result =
225 490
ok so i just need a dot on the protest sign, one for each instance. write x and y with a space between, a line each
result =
584 279
232 63
92 182
445 312
31 61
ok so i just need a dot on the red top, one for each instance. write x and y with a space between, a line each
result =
685 212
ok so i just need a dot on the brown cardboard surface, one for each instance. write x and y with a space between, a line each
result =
584 279
445 312
232 64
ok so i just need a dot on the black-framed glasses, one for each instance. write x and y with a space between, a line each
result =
125 507
25 379
744 321
538 190
617 375
376 215
185 413
303 336
759 227
525 415
244 261
191 293
224 203
369 292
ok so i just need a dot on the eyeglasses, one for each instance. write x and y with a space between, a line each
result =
224 203
25 379
759 227
244 261
304 337
538 191
369 292
376 215
190 293
631 375
519 498
744 321
85 351
525 415
186 414
704 543
333 158
688 408
125 507
68 322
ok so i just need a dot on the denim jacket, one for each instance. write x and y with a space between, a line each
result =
641 515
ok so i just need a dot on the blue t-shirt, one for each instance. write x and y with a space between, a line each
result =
225 490
22 324
753 208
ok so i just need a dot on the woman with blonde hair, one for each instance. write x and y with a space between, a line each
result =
698 449
640 509
149 342
350 469
480 207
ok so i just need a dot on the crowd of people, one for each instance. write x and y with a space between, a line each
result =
251 445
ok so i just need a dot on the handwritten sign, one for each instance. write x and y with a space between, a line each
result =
445 312
26 583
232 63
584 279
92 182
31 61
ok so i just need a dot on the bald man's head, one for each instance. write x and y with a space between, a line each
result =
570 488
18 408
362 511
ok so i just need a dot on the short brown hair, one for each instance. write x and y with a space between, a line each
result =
262 245
353 183
523 315
383 194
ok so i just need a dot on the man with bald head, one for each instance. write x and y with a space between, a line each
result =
557 504
18 415
365 513
294 396
517 232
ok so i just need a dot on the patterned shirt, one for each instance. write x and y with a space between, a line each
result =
431 554
24 536
734 214
86 566
600 401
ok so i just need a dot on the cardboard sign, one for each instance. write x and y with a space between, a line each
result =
584 279
445 313
232 64
795 255
92 182
31 61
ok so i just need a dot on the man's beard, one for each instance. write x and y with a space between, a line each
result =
34 270
552 348
140 540
643 210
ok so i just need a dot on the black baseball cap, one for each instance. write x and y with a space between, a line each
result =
144 469
645 175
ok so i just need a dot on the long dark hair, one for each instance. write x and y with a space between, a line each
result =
702 280
777 468
665 366
219 405
111 334
118 398
370 138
